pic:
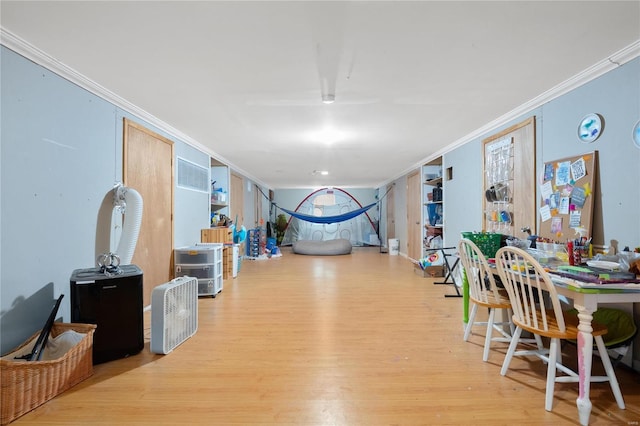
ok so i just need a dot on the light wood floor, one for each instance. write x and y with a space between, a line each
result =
348 340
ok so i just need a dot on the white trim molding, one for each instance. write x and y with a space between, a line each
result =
36 55
614 61
39 57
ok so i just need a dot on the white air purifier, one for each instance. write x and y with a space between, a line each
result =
174 314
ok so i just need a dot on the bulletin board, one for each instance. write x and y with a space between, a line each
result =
566 187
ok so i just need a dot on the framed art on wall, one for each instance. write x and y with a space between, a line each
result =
590 128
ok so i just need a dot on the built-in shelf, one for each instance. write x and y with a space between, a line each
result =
217 206
433 182
219 186
433 211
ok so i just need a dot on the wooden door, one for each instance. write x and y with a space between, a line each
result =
236 209
414 216
509 167
257 203
148 168
391 218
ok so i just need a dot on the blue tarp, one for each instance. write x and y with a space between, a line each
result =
328 219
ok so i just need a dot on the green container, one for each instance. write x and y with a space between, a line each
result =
487 242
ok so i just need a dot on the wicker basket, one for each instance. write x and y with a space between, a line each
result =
26 385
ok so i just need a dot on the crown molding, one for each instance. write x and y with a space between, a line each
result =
616 60
39 57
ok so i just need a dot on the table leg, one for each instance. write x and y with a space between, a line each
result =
585 354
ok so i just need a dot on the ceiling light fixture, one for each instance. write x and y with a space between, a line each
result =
320 172
328 135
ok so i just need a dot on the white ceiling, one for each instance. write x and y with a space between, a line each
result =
243 79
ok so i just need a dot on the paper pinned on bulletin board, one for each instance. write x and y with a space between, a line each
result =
567 200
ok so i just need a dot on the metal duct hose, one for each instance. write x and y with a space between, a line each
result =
125 200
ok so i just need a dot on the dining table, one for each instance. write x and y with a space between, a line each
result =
586 295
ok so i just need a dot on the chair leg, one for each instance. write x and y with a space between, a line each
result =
512 327
551 374
606 362
472 318
511 351
487 338
539 342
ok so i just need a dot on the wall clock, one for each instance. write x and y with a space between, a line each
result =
636 134
590 128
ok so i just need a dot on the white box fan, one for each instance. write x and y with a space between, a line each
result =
174 314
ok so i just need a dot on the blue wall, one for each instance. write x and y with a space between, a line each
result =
61 152
616 96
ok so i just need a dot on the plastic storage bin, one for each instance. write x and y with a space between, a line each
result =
196 255
204 262
209 287
199 271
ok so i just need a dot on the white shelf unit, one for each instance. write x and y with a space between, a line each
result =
203 262
432 206
219 179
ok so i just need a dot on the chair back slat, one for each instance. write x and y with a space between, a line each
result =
482 285
526 281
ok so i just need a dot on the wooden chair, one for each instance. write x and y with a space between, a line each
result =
526 281
484 292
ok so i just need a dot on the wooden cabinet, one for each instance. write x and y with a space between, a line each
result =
230 251
216 235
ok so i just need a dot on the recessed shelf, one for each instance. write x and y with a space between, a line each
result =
433 181
433 204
